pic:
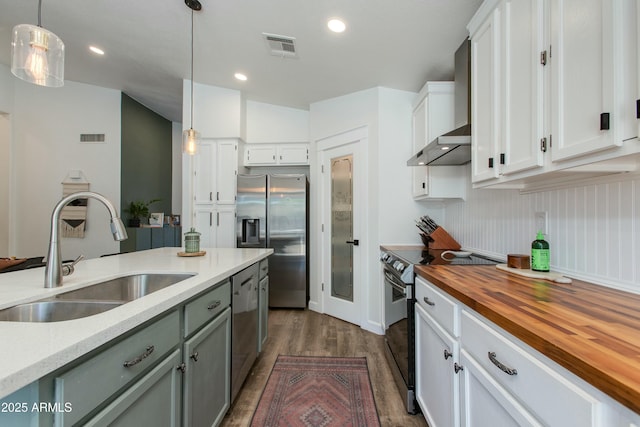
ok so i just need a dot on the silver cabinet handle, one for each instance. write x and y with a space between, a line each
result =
138 359
428 301
447 354
194 356
214 304
457 368
182 367
504 368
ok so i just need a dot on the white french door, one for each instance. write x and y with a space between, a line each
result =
343 221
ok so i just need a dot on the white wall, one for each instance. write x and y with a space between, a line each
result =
47 124
217 112
594 228
273 123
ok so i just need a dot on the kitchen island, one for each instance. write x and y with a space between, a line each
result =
31 351
592 332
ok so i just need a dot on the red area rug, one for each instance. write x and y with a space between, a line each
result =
317 392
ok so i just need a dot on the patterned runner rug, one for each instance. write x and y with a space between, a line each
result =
317 392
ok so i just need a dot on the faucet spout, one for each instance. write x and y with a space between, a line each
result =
53 271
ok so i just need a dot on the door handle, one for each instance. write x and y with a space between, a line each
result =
354 242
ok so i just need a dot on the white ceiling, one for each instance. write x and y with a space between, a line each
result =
398 44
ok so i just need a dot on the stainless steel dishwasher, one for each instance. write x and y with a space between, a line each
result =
244 335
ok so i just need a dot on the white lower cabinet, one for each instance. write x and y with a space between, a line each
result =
472 373
436 384
217 227
482 399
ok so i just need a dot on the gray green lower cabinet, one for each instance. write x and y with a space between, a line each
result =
152 401
207 379
263 312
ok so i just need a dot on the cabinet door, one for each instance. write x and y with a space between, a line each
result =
203 222
436 383
263 315
293 154
419 173
226 228
227 171
260 155
152 401
485 96
204 176
207 382
523 83
483 399
583 80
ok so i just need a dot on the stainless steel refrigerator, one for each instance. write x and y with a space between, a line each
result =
272 212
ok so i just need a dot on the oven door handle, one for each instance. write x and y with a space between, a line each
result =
393 282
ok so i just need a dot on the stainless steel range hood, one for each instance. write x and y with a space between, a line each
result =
453 148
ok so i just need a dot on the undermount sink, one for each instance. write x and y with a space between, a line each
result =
93 299
55 311
125 288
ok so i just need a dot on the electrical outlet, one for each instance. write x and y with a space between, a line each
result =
541 222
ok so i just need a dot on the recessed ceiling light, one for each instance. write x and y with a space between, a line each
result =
96 50
336 25
240 76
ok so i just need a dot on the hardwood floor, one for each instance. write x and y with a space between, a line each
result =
307 333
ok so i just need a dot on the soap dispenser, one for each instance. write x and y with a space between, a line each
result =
540 253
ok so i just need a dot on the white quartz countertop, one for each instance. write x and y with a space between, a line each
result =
30 351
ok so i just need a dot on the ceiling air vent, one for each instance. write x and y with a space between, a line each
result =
283 46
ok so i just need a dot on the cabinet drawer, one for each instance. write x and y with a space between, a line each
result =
443 309
528 375
264 268
92 382
206 307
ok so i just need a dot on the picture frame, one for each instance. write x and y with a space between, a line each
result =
175 220
156 219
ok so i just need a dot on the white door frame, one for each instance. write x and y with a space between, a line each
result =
361 254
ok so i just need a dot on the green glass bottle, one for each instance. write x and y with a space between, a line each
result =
540 253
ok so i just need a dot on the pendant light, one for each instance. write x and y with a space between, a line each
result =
190 137
37 55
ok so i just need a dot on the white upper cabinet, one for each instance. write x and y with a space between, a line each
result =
523 85
276 154
485 97
214 172
583 110
433 115
554 87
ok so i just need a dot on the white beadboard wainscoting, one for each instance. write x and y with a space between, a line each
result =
593 228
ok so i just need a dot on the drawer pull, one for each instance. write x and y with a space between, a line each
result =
214 304
447 354
428 301
457 368
182 367
147 353
194 356
502 366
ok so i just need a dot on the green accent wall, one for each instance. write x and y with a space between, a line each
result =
145 157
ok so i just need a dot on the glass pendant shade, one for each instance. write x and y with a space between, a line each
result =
37 56
190 140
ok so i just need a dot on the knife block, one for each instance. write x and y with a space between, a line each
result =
440 239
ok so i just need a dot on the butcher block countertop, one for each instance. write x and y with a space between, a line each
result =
590 330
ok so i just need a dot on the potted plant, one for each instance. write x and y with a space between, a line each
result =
138 210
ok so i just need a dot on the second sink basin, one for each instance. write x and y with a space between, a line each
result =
125 288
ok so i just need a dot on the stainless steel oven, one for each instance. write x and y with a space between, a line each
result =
399 308
399 336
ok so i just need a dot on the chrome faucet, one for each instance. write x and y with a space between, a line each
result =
55 270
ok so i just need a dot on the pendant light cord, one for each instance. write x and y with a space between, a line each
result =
40 13
191 68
